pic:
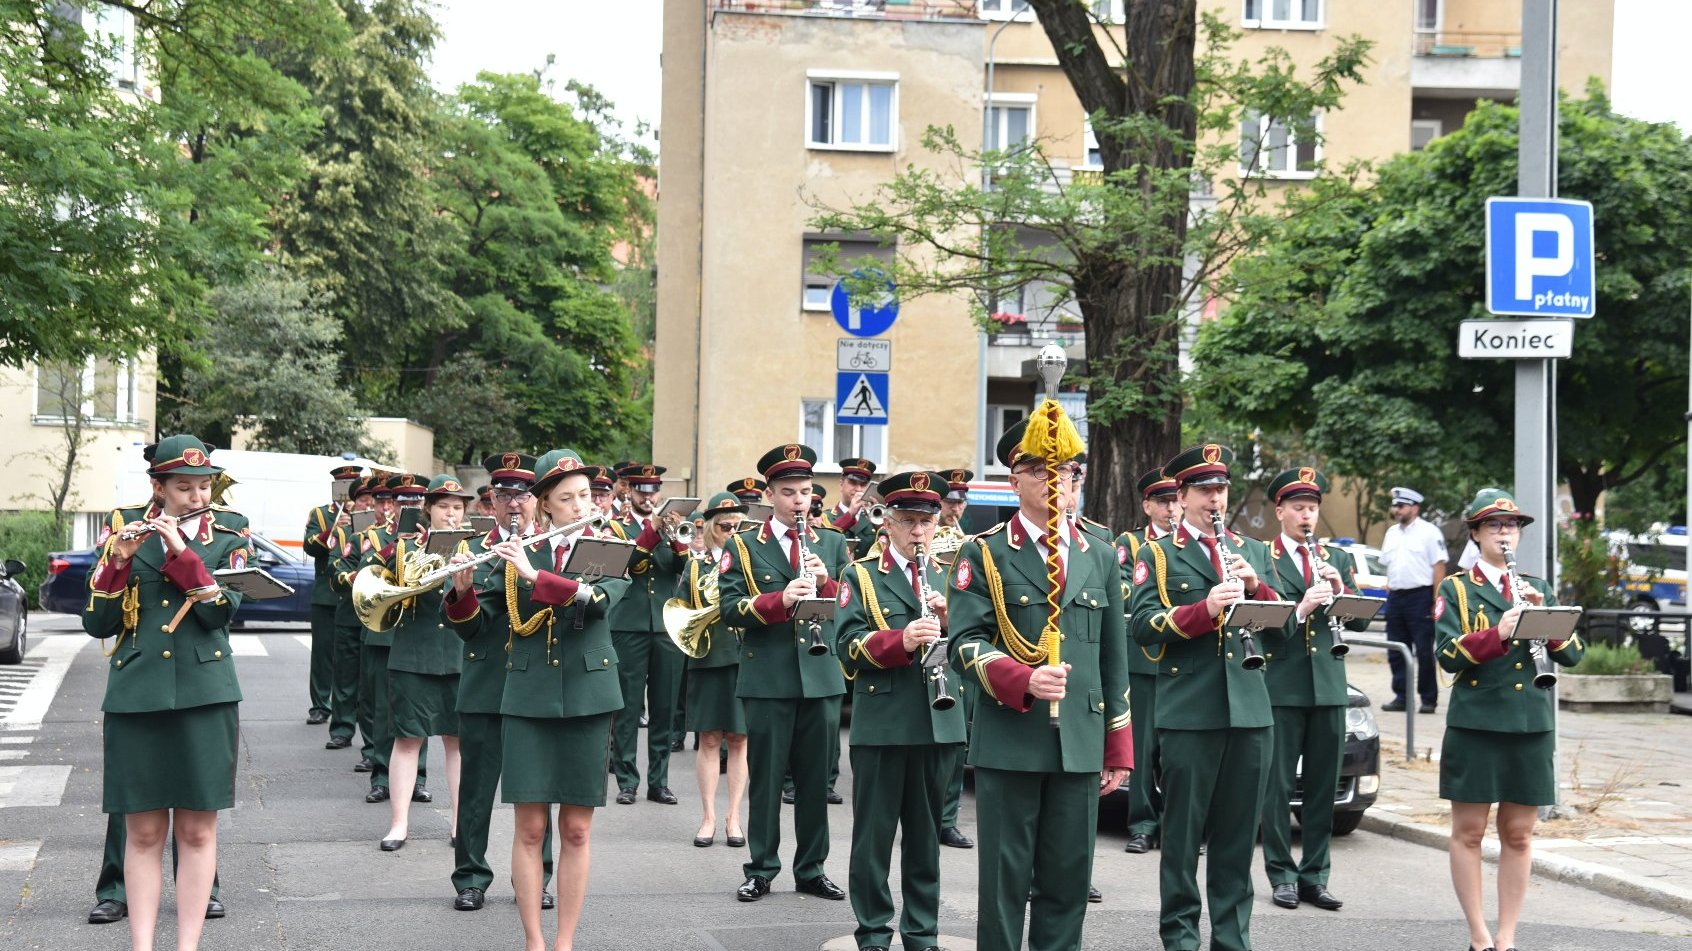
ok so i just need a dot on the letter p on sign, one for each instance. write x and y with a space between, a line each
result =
1528 266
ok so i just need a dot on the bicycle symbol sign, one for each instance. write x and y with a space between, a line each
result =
873 355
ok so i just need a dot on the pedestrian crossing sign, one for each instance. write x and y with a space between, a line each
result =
860 399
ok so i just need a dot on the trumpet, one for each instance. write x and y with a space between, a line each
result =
934 659
129 535
377 602
682 534
1339 648
1544 677
814 643
1252 660
876 513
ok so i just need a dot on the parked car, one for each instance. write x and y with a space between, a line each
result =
1371 573
1360 770
66 587
14 613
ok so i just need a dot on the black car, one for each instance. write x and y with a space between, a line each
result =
66 587
1360 770
14 613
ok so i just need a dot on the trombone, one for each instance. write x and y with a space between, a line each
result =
378 602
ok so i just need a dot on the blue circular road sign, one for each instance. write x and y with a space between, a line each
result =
871 320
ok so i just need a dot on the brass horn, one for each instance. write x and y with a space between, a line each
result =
379 603
690 627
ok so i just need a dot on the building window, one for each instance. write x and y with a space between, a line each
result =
818 283
1283 14
1010 120
1423 131
1094 159
99 391
852 111
1107 11
1004 9
113 31
1000 418
1428 15
833 441
1275 148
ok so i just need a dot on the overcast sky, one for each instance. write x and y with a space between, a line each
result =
614 46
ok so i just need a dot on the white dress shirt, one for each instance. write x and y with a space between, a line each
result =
1410 552
1038 534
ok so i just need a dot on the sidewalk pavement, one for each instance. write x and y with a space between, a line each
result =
1624 827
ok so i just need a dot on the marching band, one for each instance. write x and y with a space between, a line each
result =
1059 660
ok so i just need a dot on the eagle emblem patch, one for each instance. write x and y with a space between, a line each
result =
1439 606
845 595
962 577
1141 572
726 562
1122 554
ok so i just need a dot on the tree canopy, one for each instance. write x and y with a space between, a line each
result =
1344 327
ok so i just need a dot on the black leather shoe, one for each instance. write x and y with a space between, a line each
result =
625 797
822 888
364 765
834 798
338 743
392 845
1427 708
547 901
214 909
660 794
419 794
1286 895
955 839
678 744
1394 705
1094 896
316 718
108 912
1138 844
753 888
377 794
787 796
469 899
1319 896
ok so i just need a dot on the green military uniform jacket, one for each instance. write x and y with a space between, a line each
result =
420 641
774 663
155 667
1201 683
481 679
344 557
319 545
997 607
1141 659
890 692
855 529
1301 669
724 647
565 666
1493 689
652 579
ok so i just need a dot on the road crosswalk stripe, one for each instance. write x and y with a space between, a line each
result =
248 645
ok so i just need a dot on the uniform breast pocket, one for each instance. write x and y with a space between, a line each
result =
211 653
517 660
874 683
1024 600
600 658
1095 701
125 658
1089 604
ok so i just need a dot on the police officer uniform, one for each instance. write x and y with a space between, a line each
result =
1145 801
1037 782
1213 718
791 697
1307 689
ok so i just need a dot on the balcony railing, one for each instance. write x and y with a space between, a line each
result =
1457 45
872 9
1037 331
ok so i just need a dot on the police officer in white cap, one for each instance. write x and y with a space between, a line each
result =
1415 558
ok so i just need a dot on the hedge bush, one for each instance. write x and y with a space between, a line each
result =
28 537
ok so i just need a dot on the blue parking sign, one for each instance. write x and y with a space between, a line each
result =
1539 258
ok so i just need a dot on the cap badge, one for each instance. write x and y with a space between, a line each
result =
791 453
510 460
1505 505
193 457
451 486
1307 474
1212 453
919 482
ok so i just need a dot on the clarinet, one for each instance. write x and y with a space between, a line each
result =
1544 677
1339 648
1252 660
934 659
814 643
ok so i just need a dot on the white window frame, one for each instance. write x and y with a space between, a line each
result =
1268 21
994 429
1291 174
1006 101
107 26
833 78
1107 11
1434 125
1089 145
825 452
126 372
1439 17
1005 10
827 303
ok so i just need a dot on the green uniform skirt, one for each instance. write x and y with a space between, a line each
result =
711 703
1485 766
423 704
171 759
548 759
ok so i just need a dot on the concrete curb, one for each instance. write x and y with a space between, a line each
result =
1631 888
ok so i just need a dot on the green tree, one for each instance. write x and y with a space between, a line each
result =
1124 248
271 366
1346 323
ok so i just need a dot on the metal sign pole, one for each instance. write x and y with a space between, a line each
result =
1537 178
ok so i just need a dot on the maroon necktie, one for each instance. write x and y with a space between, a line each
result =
1309 577
1215 558
558 557
793 549
916 583
1504 585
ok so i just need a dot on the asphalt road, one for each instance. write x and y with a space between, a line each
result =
301 869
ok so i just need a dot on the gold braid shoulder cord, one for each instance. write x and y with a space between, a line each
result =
1019 647
514 613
